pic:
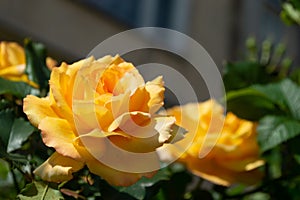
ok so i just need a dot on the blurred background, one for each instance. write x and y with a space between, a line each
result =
70 29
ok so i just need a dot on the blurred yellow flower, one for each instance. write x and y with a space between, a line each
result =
12 62
50 62
95 107
224 148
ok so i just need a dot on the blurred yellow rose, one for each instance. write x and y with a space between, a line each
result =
12 62
100 113
223 149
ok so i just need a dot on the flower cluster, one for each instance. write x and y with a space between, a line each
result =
100 117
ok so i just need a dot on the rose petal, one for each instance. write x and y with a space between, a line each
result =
146 138
116 177
93 143
58 93
86 81
113 74
61 88
130 121
99 146
58 168
85 116
156 90
129 82
14 70
244 164
58 134
99 118
163 127
119 104
37 109
159 125
211 171
11 53
139 100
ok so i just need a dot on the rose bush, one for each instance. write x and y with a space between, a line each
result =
223 149
101 113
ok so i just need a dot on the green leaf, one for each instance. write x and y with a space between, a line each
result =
274 94
252 49
176 187
235 189
243 74
18 89
291 93
252 103
39 191
6 121
274 130
36 67
138 190
249 104
257 196
4 169
290 14
286 94
17 158
295 76
159 195
19 133
297 158
274 160
4 104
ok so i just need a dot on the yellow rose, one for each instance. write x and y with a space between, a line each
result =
223 149
101 113
12 62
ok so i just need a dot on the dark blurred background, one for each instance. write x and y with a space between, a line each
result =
71 28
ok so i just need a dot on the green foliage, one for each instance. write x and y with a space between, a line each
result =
295 76
36 68
14 131
290 13
6 121
243 74
18 89
258 196
4 169
39 191
256 101
249 103
177 186
138 190
20 131
274 130
270 95
276 106
172 182
262 65
20 150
